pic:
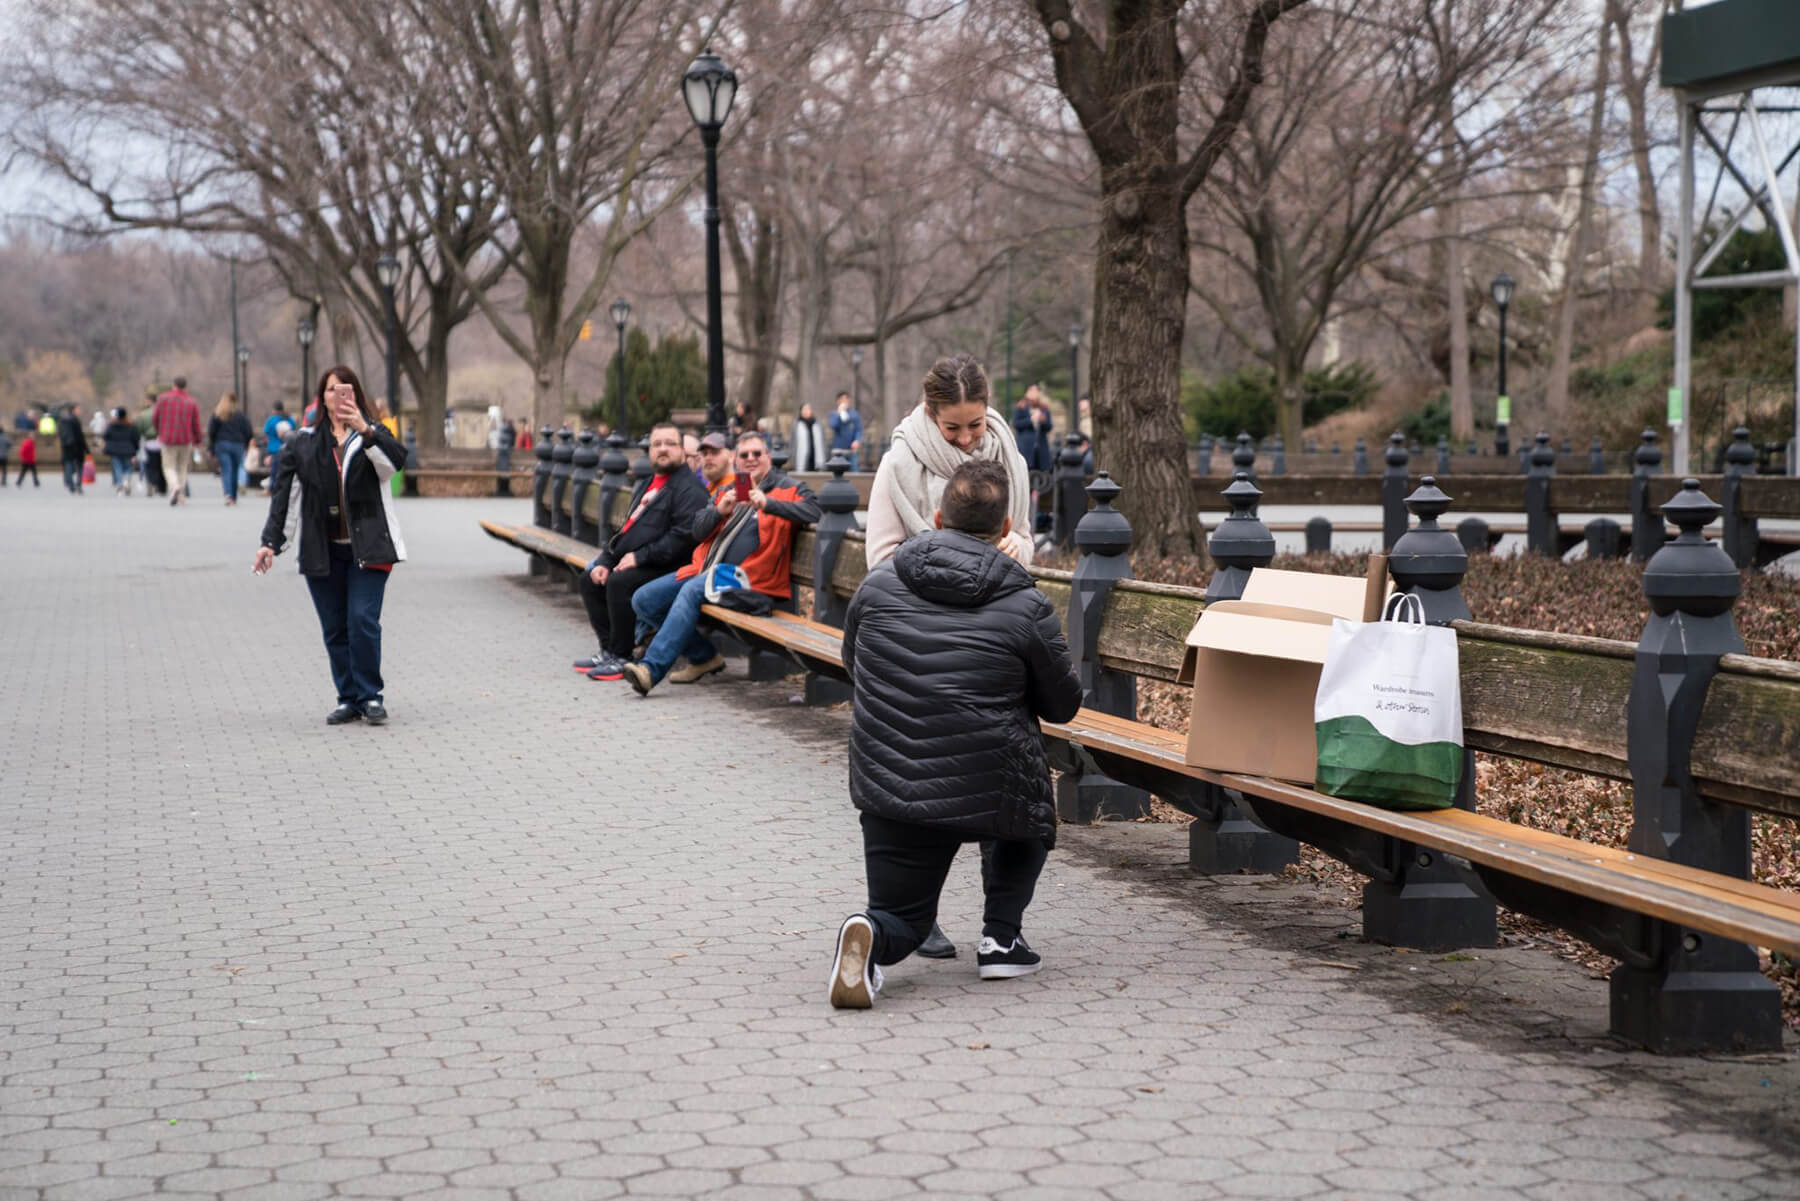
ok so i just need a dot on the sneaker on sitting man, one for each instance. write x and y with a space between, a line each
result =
855 978
607 667
592 661
686 673
1004 962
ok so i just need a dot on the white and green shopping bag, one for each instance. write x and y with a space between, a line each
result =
1389 710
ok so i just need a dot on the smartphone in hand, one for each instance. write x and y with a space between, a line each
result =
743 488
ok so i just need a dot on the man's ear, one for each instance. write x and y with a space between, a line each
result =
937 519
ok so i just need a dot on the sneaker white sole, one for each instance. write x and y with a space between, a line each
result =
1008 971
850 969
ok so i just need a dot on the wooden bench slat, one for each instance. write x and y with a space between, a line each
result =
1737 909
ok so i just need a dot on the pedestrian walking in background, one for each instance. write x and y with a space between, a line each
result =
73 440
954 656
846 426
155 482
330 492
120 442
228 437
5 455
28 461
178 431
809 442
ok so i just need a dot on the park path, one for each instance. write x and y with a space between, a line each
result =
538 938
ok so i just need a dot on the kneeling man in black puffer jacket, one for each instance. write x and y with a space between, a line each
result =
954 655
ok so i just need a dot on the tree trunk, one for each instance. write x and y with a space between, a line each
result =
758 269
1140 309
1556 396
1290 401
1462 401
1635 86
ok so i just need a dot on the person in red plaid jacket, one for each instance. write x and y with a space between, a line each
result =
177 419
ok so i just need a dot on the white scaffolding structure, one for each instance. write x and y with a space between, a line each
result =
1731 69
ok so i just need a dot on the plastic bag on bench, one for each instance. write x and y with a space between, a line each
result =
1389 711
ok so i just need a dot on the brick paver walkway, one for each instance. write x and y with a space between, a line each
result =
540 939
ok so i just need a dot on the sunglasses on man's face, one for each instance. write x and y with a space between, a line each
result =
750 454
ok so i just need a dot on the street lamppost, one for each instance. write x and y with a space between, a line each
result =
856 378
387 273
708 88
621 313
243 357
1502 291
1074 374
305 332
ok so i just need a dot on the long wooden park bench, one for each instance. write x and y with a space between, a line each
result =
1706 735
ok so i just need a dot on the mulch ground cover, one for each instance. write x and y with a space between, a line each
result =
1601 598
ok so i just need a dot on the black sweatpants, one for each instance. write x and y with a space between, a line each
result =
609 608
907 866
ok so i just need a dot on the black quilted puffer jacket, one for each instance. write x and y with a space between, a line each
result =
954 655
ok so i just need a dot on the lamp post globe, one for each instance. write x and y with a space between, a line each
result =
1502 291
387 272
304 333
621 313
709 88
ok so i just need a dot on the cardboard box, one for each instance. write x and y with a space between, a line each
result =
1254 666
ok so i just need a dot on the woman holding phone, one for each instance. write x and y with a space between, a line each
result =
330 489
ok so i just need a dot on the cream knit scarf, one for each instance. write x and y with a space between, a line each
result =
920 452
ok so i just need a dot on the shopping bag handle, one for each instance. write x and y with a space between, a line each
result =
1413 614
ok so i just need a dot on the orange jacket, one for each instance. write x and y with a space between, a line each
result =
764 548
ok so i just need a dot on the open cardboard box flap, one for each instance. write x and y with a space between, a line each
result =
1254 667
1284 615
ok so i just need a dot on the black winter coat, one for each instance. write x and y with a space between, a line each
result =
120 440
954 655
663 537
304 497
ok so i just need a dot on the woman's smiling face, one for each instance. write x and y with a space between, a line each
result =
962 424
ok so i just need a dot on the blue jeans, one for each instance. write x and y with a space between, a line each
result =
349 606
121 469
71 474
671 607
231 466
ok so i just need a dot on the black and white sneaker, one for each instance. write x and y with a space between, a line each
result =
592 661
608 667
1004 962
854 977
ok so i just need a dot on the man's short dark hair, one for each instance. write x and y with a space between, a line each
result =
666 425
181 383
279 407
840 396
976 499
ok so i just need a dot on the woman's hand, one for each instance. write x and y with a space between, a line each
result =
1014 546
265 559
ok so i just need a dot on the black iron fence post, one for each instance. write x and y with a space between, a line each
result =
562 465
1394 482
1741 533
1695 992
1071 491
1646 522
1542 534
839 500
1103 537
1243 457
581 481
613 480
1425 900
540 480
1228 840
